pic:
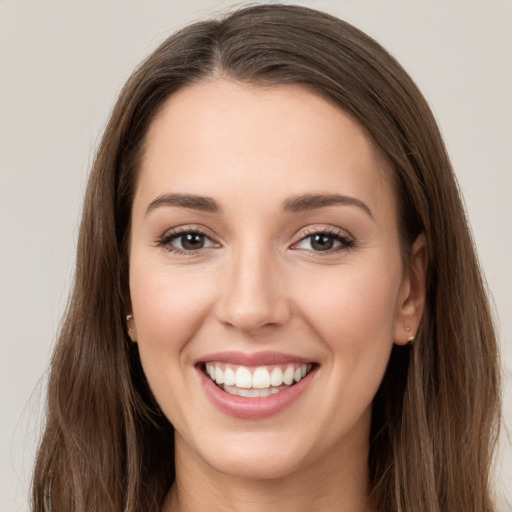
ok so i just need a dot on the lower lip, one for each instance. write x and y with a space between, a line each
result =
253 408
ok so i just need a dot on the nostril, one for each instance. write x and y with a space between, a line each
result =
251 299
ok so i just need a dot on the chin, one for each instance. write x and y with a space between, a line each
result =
271 467
255 456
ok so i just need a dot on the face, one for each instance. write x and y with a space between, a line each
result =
266 279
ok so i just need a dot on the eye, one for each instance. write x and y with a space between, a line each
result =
324 242
186 241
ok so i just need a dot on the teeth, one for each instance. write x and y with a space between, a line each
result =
219 376
243 377
288 375
258 382
253 392
229 377
276 377
261 378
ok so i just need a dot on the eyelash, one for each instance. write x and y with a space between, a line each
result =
165 240
338 235
346 243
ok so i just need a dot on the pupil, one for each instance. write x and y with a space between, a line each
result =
322 242
192 241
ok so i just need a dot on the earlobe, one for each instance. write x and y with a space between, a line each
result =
130 325
412 294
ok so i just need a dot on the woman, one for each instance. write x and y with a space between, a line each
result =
277 302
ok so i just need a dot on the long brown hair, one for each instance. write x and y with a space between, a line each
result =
107 446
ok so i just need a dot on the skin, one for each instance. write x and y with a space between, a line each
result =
258 284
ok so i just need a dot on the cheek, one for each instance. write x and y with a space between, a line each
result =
169 307
355 323
349 304
353 313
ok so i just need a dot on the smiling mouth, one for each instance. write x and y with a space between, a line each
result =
255 382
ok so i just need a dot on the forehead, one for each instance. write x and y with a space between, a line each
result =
225 138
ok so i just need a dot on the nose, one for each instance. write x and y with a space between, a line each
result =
253 293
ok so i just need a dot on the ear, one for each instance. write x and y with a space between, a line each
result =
131 328
411 299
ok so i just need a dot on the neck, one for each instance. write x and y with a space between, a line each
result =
333 483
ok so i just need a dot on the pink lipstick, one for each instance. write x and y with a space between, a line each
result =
254 386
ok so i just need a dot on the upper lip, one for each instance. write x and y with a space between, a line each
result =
253 359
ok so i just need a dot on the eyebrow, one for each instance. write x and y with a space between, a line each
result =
295 204
313 201
205 204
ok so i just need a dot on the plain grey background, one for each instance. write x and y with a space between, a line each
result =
62 64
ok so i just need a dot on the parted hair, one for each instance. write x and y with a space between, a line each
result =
107 447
